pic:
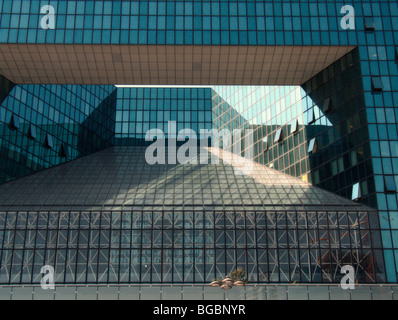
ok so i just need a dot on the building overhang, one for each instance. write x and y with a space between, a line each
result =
165 64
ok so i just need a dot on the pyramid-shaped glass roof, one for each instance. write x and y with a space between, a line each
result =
120 177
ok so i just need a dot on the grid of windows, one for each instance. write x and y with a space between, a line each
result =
142 109
187 247
38 123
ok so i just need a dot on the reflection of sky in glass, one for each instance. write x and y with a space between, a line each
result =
269 105
265 105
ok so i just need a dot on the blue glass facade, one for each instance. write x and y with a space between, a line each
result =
336 130
329 109
44 126
142 109
331 112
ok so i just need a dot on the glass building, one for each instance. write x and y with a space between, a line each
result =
314 84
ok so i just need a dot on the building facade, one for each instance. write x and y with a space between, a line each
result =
315 84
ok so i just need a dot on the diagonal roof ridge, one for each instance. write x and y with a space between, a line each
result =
120 177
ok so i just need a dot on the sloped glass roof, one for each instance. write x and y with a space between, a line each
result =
120 177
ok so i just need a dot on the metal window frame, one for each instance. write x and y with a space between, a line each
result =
370 24
258 236
377 84
294 127
14 123
356 192
279 136
64 151
313 146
